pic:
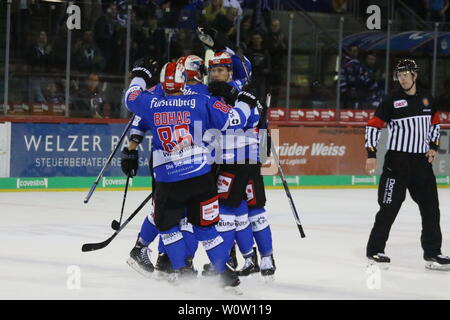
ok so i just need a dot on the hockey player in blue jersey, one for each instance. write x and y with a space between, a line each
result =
182 170
240 184
195 70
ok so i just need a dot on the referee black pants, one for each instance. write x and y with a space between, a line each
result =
401 172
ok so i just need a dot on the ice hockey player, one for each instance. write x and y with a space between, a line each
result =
413 125
240 184
195 70
183 178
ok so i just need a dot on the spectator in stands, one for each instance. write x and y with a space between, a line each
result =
246 32
372 88
20 25
436 10
443 102
107 32
54 93
211 11
259 56
153 40
87 56
320 96
182 13
276 44
226 23
88 100
352 79
182 44
39 61
91 11
233 4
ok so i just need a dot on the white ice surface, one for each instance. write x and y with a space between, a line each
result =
41 234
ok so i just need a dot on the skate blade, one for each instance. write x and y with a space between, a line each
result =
233 290
381 265
135 266
436 266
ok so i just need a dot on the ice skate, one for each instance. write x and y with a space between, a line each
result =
163 266
250 265
139 260
438 262
380 259
268 268
176 277
230 280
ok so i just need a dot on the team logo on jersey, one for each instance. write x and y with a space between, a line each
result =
233 115
224 182
209 211
400 104
425 102
133 95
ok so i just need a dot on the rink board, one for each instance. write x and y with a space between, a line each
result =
144 183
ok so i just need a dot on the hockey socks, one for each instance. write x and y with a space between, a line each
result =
189 237
214 246
244 232
148 232
261 231
175 247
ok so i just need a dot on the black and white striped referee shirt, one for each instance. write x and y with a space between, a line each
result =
412 121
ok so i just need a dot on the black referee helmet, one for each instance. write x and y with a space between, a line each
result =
405 65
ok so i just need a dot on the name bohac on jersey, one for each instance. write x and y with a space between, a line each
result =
178 125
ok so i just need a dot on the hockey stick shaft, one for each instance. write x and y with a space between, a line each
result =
283 180
277 160
96 246
124 199
100 175
288 193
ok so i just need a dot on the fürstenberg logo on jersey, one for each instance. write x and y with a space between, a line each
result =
115 182
32 183
389 189
156 103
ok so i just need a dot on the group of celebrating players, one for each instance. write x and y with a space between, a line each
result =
205 165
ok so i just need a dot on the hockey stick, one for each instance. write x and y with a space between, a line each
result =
275 154
288 193
283 179
116 224
100 175
96 246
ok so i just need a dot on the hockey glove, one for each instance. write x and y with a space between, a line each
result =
247 98
224 90
207 36
214 40
147 69
129 162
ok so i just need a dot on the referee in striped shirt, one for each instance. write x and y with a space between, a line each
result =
413 125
